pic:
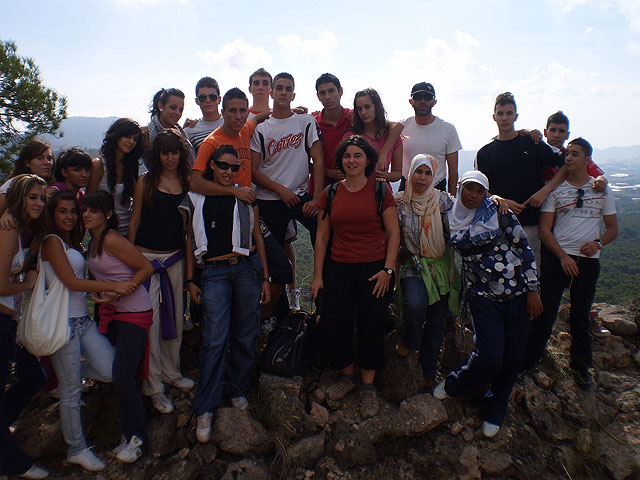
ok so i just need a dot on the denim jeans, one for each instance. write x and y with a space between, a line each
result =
87 343
231 297
423 324
500 334
14 461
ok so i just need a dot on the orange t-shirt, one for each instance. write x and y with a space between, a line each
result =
240 143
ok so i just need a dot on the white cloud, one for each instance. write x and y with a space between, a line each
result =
633 48
320 46
629 9
237 56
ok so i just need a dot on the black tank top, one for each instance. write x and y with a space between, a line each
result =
161 223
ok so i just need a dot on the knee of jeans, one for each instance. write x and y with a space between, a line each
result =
71 396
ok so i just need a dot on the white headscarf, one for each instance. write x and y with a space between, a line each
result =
425 205
480 222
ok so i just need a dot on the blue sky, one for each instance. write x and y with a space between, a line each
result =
582 56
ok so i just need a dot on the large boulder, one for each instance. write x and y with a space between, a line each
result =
618 320
236 432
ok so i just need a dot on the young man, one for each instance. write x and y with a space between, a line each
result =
259 88
574 210
280 151
208 99
513 163
426 133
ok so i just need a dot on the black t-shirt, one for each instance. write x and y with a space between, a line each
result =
514 169
217 213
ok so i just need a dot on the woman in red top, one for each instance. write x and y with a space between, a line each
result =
358 274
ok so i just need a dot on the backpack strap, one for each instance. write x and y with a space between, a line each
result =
381 193
330 193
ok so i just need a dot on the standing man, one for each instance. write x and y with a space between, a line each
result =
428 134
513 163
259 88
208 99
280 151
574 210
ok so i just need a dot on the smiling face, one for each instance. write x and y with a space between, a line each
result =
472 195
171 111
94 218
222 171
127 144
77 176
169 161
354 161
65 216
34 202
235 114
366 109
42 164
556 134
329 95
421 179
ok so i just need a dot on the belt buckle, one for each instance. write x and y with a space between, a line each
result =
233 260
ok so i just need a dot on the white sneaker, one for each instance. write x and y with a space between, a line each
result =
490 430
184 383
35 472
203 429
240 402
87 460
118 449
294 298
162 402
131 452
439 392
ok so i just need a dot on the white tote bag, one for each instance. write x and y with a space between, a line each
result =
44 327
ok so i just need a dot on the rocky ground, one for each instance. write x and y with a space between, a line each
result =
292 431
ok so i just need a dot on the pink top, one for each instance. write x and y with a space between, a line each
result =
108 268
378 144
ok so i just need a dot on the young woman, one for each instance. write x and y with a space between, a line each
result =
357 277
62 256
370 121
166 109
116 170
112 258
157 230
35 158
235 281
25 200
426 278
72 172
501 286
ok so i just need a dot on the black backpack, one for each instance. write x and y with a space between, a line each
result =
381 192
288 350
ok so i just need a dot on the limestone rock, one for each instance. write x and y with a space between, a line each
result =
184 470
626 429
546 412
283 407
236 432
354 451
161 430
247 469
495 462
542 379
319 415
617 320
469 460
401 377
613 354
204 452
583 440
306 452
40 435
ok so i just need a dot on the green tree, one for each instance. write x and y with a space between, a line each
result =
27 107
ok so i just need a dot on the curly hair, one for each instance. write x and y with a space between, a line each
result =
382 126
123 127
362 143
31 150
168 140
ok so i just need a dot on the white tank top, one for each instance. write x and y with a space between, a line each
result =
9 301
77 300
123 212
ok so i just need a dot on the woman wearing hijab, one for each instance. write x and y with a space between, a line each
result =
426 275
501 286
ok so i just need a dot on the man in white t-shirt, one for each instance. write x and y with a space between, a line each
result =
569 227
426 133
208 99
280 151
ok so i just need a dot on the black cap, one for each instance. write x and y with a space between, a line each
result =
423 87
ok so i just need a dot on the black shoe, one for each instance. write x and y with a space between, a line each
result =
583 378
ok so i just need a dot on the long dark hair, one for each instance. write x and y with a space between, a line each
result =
76 233
162 96
74 157
381 115
16 204
368 149
31 150
168 140
123 127
103 201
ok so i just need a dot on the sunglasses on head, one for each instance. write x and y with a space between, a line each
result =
226 166
423 96
212 96
580 202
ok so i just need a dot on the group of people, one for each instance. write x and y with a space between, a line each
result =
215 214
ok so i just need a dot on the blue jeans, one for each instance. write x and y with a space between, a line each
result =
500 334
98 354
231 297
423 323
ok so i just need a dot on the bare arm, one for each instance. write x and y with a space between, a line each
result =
138 196
610 234
318 169
395 129
9 242
124 250
97 172
545 223
396 167
201 185
265 294
320 252
288 197
392 228
452 168
539 197
3 203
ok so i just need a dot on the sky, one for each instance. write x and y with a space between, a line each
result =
109 57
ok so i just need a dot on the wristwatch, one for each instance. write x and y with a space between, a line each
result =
599 242
388 271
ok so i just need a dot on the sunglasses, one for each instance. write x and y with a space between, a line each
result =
212 96
580 202
226 166
423 96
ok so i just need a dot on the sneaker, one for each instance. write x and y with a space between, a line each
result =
35 472
583 378
294 298
131 452
118 449
368 403
268 324
439 392
240 402
162 402
597 330
87 460
490 430
184 384
340 389
203 428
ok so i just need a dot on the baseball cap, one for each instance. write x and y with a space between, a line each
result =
423 87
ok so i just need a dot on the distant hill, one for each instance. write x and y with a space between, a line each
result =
86 132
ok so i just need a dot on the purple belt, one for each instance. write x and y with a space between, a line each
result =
167 302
